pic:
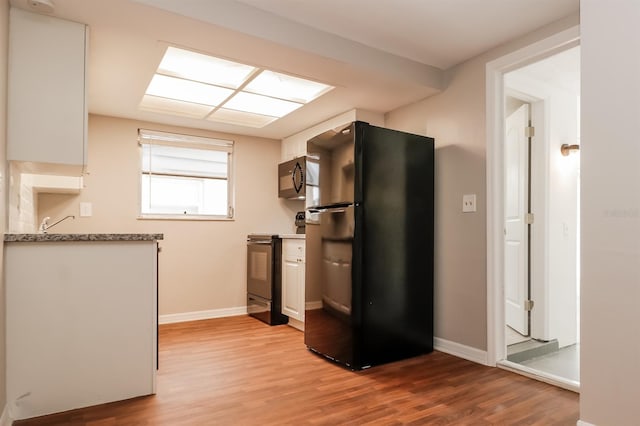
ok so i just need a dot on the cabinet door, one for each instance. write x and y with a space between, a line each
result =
293 148
46 97
287 150
293 263
85 317
301 303
292 288
301 148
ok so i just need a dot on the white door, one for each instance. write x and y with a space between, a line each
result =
515 228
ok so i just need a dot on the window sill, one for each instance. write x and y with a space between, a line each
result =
184 217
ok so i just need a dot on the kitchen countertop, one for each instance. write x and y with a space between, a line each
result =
293 236
32 238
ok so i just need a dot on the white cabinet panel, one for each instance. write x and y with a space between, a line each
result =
47 114
293 263
292 290
293 148
81 325
296 145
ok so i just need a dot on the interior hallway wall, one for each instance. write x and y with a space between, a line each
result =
610 212
456 118
202 263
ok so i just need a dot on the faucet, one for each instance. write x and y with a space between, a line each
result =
44 225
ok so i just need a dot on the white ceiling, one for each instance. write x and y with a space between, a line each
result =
435 32
380 54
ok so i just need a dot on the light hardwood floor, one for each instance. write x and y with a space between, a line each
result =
239 371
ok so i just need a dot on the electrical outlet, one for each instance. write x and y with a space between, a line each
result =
469 203
85 209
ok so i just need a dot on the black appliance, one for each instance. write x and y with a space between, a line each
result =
369 245
300 222
291 179
264 278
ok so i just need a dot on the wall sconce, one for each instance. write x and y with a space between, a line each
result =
566 149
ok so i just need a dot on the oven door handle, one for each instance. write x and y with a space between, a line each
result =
252 243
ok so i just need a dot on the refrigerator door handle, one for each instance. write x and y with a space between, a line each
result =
330 208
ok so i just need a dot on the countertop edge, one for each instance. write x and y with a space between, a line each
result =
292 236
37 238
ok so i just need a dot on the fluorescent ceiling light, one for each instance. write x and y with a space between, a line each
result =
241 118
188 91
194 85
206 69
259 104
172 106
286 87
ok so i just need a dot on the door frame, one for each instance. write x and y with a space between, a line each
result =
495 120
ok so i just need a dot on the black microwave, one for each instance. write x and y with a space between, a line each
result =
291 178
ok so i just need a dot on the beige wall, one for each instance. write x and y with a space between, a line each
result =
456 119
4 35
610 212
202 263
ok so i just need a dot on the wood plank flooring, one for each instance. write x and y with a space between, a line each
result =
239 371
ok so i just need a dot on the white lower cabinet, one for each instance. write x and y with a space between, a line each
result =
81 324
293 262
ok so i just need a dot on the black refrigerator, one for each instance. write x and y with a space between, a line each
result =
369 245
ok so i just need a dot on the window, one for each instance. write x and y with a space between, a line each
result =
185 176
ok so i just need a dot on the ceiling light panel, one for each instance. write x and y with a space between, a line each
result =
173 107
191 84
241 118
204 68
186 90
259 104
286 87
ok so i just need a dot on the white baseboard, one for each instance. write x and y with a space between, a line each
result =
581 423
461 351
5 419
442 345
298 325
316 304
201 315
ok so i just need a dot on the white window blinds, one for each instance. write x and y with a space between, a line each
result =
185 176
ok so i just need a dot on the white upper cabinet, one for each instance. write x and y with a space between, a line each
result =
296 145
293 148
47 114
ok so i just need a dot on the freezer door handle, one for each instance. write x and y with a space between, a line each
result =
334 208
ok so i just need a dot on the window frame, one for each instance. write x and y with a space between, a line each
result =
178 140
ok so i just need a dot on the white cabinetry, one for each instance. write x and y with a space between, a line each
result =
47 114
293 262
296 145
81 323
293 148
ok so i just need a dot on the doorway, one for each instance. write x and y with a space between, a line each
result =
541 250
541 215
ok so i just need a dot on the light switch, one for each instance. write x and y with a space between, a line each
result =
85 209
469 203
